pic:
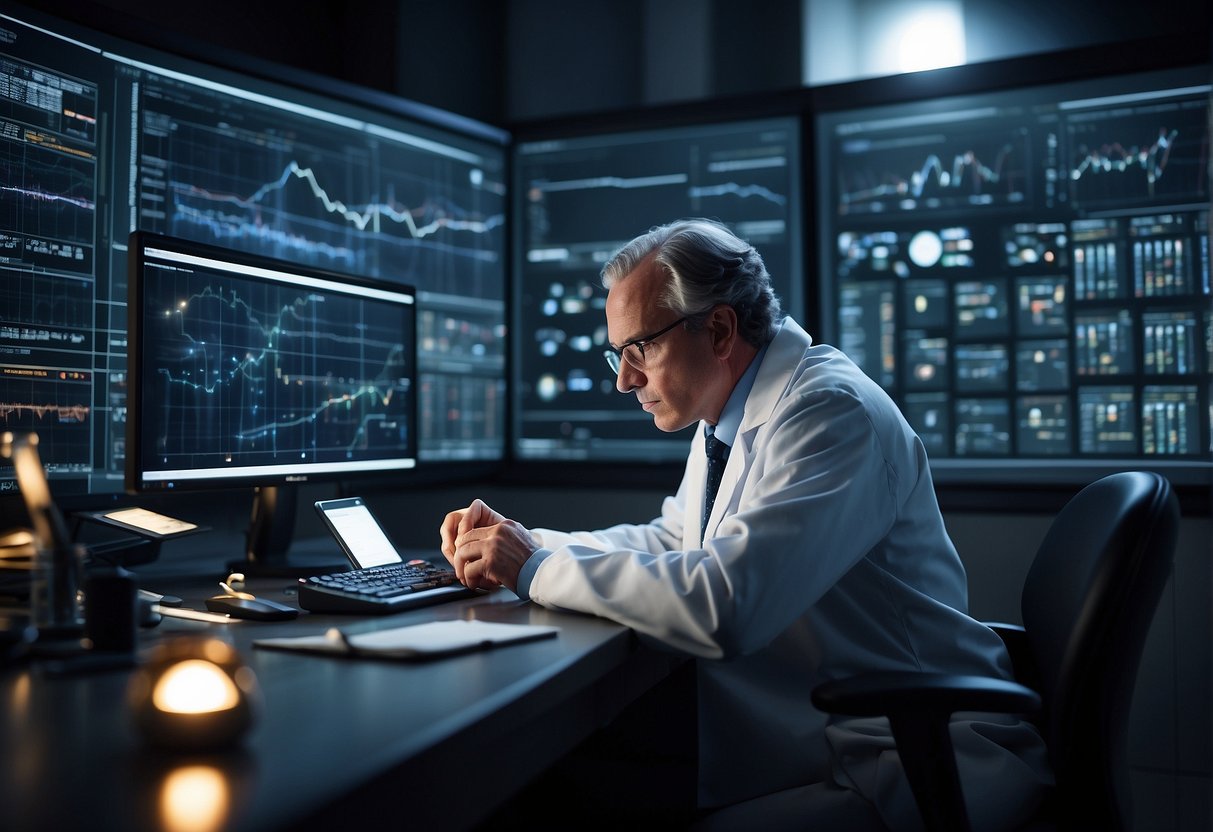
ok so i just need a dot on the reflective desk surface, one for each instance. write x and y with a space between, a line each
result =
340 741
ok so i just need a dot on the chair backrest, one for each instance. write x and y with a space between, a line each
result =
1087 604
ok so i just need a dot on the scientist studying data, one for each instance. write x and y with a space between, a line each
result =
821 554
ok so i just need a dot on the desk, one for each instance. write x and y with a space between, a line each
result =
340 741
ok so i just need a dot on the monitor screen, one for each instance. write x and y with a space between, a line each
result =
250 370
106 136
580 199
1027 272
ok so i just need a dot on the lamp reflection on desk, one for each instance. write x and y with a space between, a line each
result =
194 798
194 695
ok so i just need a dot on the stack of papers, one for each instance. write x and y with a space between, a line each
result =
416 642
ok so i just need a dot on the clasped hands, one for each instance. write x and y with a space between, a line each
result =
486 548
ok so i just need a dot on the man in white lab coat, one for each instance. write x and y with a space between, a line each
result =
823 554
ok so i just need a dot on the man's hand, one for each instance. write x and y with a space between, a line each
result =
486 549
457 522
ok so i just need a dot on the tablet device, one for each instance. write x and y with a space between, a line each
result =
358 532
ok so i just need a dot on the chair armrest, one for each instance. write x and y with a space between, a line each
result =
1023 665
1009 633
907 692
919 706
1013 636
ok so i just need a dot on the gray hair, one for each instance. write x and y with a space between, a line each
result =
707 265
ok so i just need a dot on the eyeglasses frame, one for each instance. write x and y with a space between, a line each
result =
616 356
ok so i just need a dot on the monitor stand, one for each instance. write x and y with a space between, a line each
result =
271 528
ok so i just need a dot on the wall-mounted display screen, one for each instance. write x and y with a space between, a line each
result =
1027 272
103 137
578 201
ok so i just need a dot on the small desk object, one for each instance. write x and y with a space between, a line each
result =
342 742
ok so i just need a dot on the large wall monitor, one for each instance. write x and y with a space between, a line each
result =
1027 272
104 137
579 200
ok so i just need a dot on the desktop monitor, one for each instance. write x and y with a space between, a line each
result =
580 198
1026 270
251 371
110 135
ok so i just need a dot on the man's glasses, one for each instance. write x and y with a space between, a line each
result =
633 350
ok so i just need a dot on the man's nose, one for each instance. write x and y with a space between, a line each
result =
628 378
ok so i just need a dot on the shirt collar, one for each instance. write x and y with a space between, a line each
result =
734 409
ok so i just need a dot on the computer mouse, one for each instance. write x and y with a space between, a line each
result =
257 609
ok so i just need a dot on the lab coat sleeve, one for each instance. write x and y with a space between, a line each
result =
659 535
816 494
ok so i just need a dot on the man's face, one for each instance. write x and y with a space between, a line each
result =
680 374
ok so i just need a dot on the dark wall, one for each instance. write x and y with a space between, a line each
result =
600 55
346 40
755 46
572 57
450 53
996 28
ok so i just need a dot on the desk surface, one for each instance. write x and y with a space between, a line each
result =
338 740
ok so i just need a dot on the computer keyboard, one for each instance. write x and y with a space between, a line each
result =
381 589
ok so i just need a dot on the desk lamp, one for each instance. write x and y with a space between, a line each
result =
194 694
54 602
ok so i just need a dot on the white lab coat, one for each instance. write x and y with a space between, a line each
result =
825 555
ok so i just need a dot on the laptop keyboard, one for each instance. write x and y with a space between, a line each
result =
381 589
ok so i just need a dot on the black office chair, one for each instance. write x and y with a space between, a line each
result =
1087 604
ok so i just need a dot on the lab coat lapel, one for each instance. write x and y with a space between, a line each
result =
783 356
696 477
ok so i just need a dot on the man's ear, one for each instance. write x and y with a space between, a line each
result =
722 326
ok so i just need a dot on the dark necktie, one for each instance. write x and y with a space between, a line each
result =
718 455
